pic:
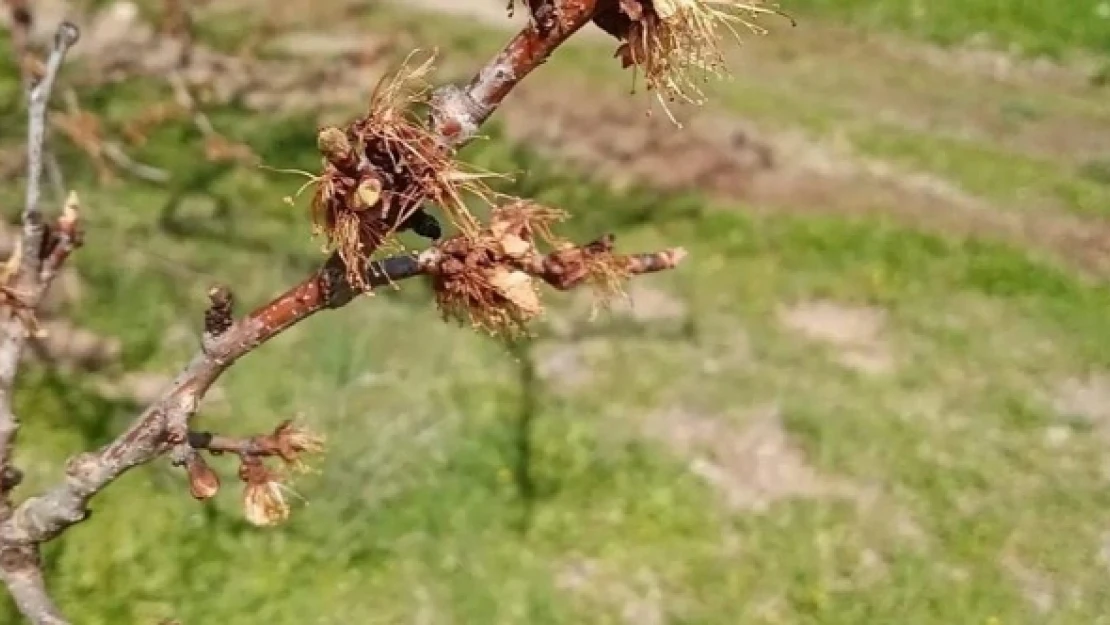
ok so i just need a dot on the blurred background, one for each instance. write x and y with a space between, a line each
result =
878 391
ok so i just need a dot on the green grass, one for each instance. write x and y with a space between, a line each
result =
459 489
1034 27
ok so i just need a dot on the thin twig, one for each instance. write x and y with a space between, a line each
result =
66 36
38 262
82 128
457 113
22 20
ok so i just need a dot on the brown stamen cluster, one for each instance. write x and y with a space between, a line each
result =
59 239
677 43
489 279
381 169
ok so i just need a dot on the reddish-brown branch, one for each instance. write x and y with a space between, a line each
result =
165 422
286 442
458 113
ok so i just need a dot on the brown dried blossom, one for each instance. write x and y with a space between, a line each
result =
677 43
489 279
265 491
291 442
264 495
381 168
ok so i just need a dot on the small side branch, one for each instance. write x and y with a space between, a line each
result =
30 271
153 432
39 99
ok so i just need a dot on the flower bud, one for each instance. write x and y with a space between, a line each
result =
203 481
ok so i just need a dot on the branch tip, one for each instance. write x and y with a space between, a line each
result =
67 35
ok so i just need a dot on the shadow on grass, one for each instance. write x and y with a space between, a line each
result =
531 392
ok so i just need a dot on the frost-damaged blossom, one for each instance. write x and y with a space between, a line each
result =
677 43
382 167
204 483
292 442
264 494
489 279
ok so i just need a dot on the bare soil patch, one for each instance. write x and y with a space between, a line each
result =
856 333
637 596
1036 587
564 360
1085 399
752 467
1035 107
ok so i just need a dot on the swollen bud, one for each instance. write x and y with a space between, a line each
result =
333 144
203 481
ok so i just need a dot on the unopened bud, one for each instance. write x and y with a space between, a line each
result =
333 144
203 481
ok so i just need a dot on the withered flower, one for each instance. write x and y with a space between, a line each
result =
293 441
481 278
381 169
264 495
491 279
677 43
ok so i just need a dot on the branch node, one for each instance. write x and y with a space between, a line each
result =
66 36
81 464
200 440
456 114
10 477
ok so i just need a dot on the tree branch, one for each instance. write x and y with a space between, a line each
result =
29 273
39 99
458 112
165 423
482 271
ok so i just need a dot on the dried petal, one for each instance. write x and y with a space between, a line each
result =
293 441
519 288
265 504
514 247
